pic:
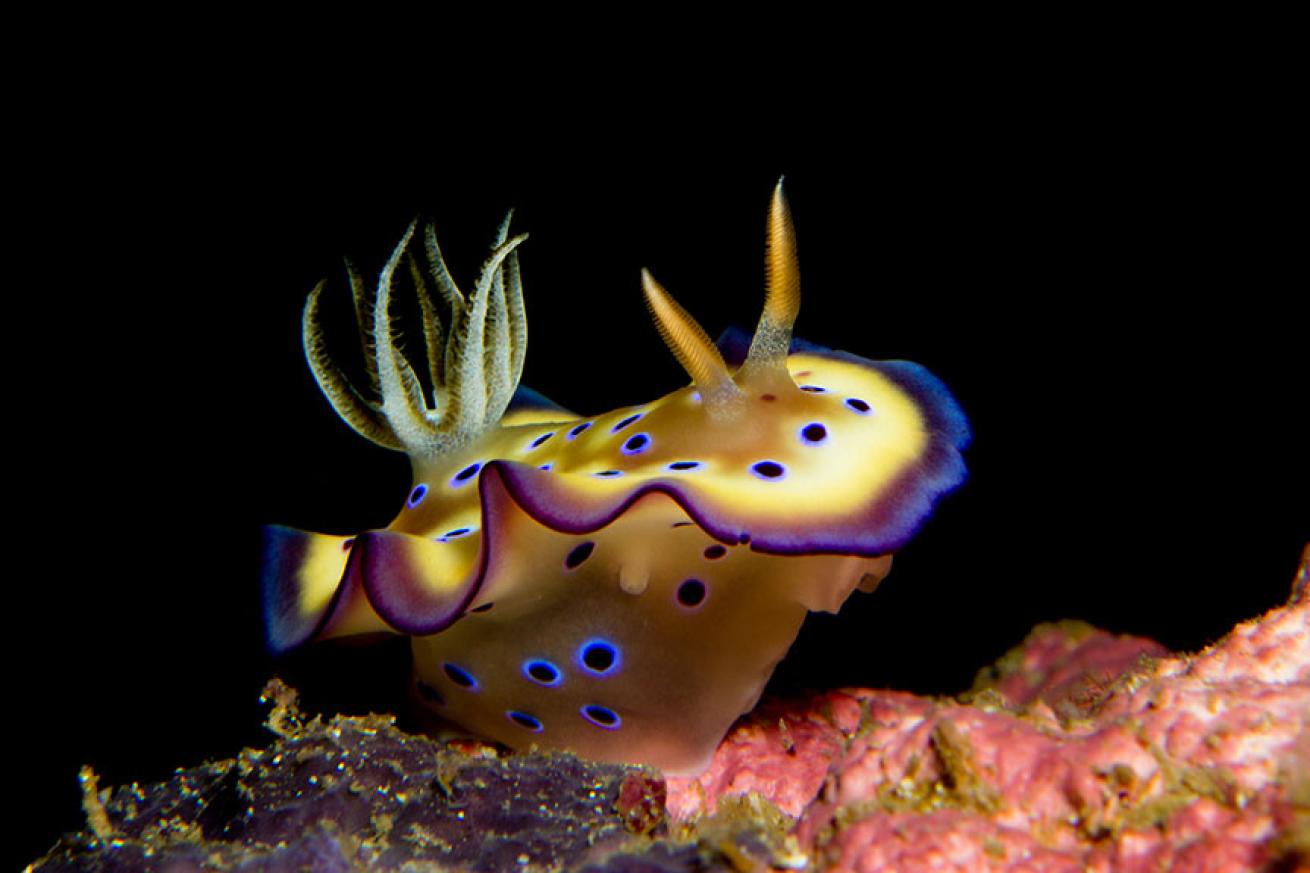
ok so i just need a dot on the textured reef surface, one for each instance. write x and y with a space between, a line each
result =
1078 751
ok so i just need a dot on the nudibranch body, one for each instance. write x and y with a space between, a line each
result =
620 585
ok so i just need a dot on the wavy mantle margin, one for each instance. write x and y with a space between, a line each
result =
386 566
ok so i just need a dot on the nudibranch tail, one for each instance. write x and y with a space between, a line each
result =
689 344
312 589
782 301
474 367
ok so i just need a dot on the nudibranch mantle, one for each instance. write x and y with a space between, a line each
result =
619 585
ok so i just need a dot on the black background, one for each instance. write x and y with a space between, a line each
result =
1107 272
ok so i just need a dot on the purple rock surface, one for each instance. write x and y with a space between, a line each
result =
356 793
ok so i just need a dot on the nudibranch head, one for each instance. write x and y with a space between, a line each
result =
623 584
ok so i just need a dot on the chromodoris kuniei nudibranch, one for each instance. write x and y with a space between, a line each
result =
620 585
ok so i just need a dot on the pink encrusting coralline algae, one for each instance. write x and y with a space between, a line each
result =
1079 751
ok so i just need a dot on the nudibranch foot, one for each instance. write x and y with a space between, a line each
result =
621 584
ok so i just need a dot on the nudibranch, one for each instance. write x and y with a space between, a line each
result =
619 585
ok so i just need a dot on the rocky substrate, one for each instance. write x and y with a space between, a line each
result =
1078 751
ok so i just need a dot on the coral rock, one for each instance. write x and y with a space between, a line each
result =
1078 751
354 794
